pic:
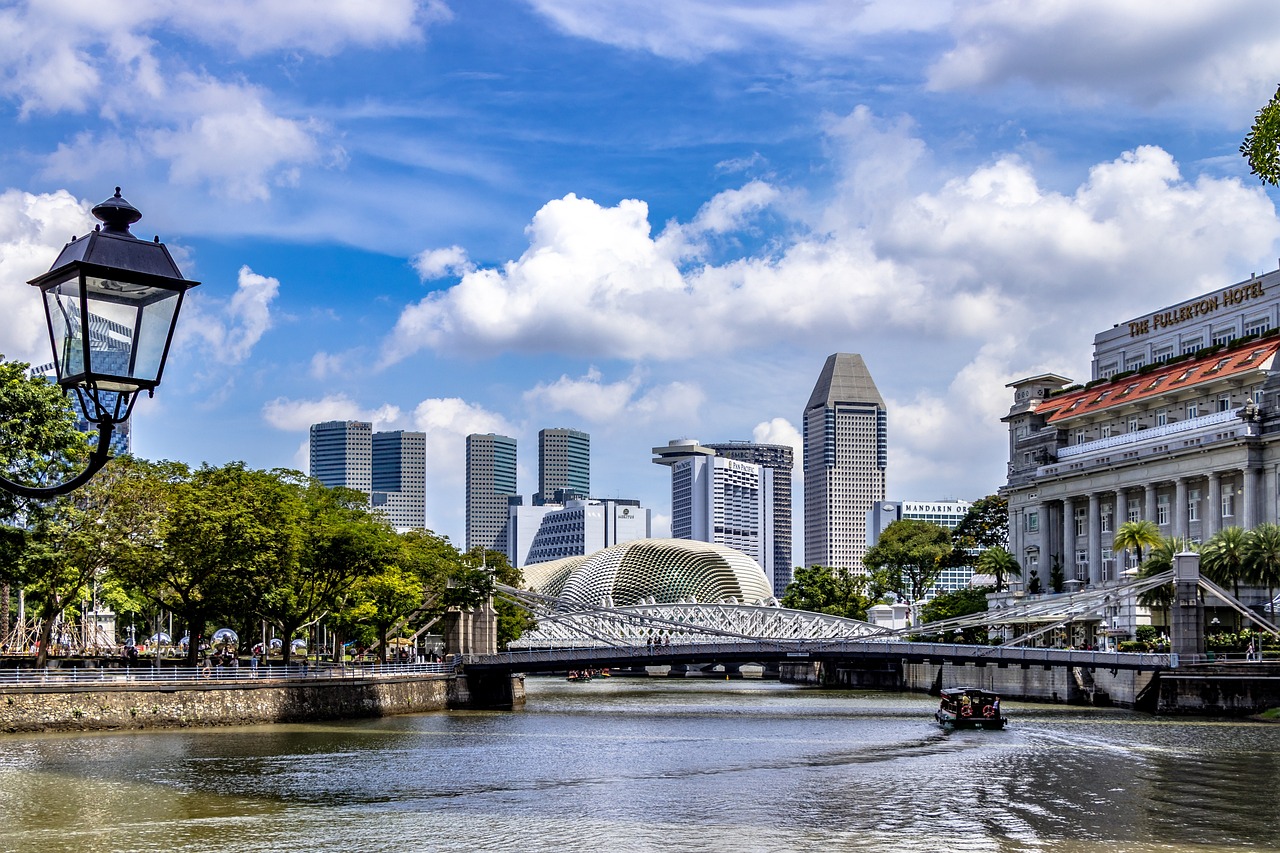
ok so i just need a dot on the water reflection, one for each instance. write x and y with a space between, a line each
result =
625 765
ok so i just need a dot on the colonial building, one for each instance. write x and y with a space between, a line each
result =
1180 425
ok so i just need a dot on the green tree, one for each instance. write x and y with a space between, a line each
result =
908 558
1262 560
1261 146
1159 560
823 589
1222 558
1000 564
382 599
1135 536
961 602
985 525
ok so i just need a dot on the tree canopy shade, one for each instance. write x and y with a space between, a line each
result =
822 589
908 558
1261 146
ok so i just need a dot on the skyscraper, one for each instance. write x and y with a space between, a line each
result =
720 500
491 479
845 454
780 459
389 467
564 463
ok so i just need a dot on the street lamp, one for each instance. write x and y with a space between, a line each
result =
111 302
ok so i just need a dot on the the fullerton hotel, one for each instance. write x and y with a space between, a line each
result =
1180 424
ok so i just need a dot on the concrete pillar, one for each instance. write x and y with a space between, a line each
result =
1046 544
1186 618
1248 499
1094 524
1213 512
1068 538
1149 512
1181 526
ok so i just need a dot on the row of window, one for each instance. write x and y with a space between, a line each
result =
1031 520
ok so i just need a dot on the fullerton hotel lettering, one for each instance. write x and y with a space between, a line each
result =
1227 298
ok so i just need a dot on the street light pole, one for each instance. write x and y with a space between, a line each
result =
111 303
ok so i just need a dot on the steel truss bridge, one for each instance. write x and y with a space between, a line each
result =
573 636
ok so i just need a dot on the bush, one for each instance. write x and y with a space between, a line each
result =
1146 633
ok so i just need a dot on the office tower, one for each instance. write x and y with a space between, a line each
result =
389 467
538 534
342 454
400 478
780 459
845 449
564 464
491 480
720 500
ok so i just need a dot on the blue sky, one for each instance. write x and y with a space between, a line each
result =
647 220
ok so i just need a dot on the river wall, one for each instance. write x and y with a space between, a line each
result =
136 706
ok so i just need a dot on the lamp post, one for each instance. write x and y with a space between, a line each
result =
111 302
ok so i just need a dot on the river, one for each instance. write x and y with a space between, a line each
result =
628 764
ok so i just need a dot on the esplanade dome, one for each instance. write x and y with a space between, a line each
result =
665 571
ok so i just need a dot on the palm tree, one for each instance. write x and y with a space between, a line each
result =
1160 559
999 563
1222 559
1136 535
1262 560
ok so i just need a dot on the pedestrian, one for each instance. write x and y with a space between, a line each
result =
253 662
1248 652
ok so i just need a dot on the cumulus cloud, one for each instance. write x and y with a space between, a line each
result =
289 415
111 58
33 229
781 431
229 333
438 263
591 398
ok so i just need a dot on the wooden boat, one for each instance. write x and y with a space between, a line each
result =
579 675
970 708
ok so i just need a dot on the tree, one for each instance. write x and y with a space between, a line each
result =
985 525
383 598
823 589
1262 560
1222 558
961 602
1159 560
908 558
1261 146
999 563
1136 535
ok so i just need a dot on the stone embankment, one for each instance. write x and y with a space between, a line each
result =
131 705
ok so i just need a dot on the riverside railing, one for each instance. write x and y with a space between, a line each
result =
226 675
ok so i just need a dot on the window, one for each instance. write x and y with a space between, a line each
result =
1162 510
1161 354
1133 424
1082 557
1193 410
1108 370
1106 430
1082 520
1080 434
1192 345
1106 518
1162 417
1032 522
1135 509
1257 396
1221 336
1135 363
1257 326
1033 563
1224 402
1193 505
1228 501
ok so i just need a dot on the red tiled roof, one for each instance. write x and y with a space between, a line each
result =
1254 355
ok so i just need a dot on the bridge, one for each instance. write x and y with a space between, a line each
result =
571 635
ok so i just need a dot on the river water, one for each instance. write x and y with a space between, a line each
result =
628 764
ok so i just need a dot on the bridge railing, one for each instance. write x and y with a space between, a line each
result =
123 676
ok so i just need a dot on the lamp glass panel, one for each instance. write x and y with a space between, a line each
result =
62 302
129 324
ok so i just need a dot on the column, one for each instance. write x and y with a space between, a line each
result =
1068 538
1118 517
1149 514
1094 524
1248 515
1046 548
1181 526
1213 512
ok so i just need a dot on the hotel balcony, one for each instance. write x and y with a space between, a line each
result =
1172 438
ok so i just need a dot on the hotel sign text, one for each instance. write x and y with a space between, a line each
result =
1227 298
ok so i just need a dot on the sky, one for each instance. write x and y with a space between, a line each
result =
644 219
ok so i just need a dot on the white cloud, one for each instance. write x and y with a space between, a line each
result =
230 333
592 399
782 431
289 415
447 422
1225 53
437 263
33 230
692 29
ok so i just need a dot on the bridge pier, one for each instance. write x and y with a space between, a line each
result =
1186 618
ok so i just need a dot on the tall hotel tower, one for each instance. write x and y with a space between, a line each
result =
845 451
779 459
564 464
491 480
389 467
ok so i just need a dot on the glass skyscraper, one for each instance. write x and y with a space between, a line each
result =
564 464
491 481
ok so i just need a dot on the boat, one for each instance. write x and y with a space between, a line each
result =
970 708
579 675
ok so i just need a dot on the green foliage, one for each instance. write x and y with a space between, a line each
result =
1135 536
908 558
985 525
39 443
1034 586
823 589
1000 564
1261 146
1057 578
962 602
1146 633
